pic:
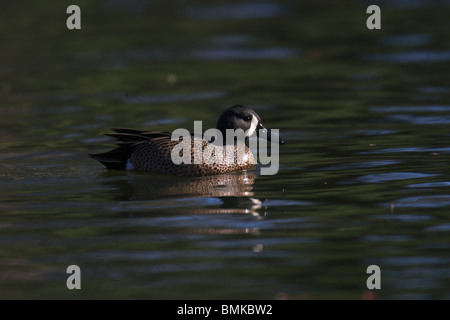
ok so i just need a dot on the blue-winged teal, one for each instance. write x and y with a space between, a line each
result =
151 151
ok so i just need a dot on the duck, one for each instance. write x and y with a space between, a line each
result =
153 151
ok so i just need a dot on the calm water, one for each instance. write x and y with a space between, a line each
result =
364 176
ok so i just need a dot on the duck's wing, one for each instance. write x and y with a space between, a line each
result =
127 141
126 136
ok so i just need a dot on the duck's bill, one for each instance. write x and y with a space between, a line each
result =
268 135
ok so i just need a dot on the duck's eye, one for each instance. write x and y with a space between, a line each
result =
248 118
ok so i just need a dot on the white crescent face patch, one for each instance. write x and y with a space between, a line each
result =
253 126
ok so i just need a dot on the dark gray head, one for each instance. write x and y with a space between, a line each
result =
242 117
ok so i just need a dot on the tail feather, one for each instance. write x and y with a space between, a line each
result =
127 140
115 159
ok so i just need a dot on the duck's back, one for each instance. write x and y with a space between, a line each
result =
154 151
156 155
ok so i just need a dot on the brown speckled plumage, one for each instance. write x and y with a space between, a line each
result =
154 155
151 151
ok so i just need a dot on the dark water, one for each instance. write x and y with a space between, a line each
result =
364 177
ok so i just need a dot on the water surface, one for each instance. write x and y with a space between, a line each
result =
363 179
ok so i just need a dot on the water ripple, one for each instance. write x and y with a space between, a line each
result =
429 184
411 109
404 217
238 11
242 53
407 149
408 261
360 165
419 119
393 176
441 227
433 201
406 40
139 99
409 57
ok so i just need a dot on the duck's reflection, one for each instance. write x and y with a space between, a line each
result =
151 186
226 201
235 190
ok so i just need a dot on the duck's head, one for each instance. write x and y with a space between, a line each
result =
245 118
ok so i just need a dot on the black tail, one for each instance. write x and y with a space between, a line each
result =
127 139
115 159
